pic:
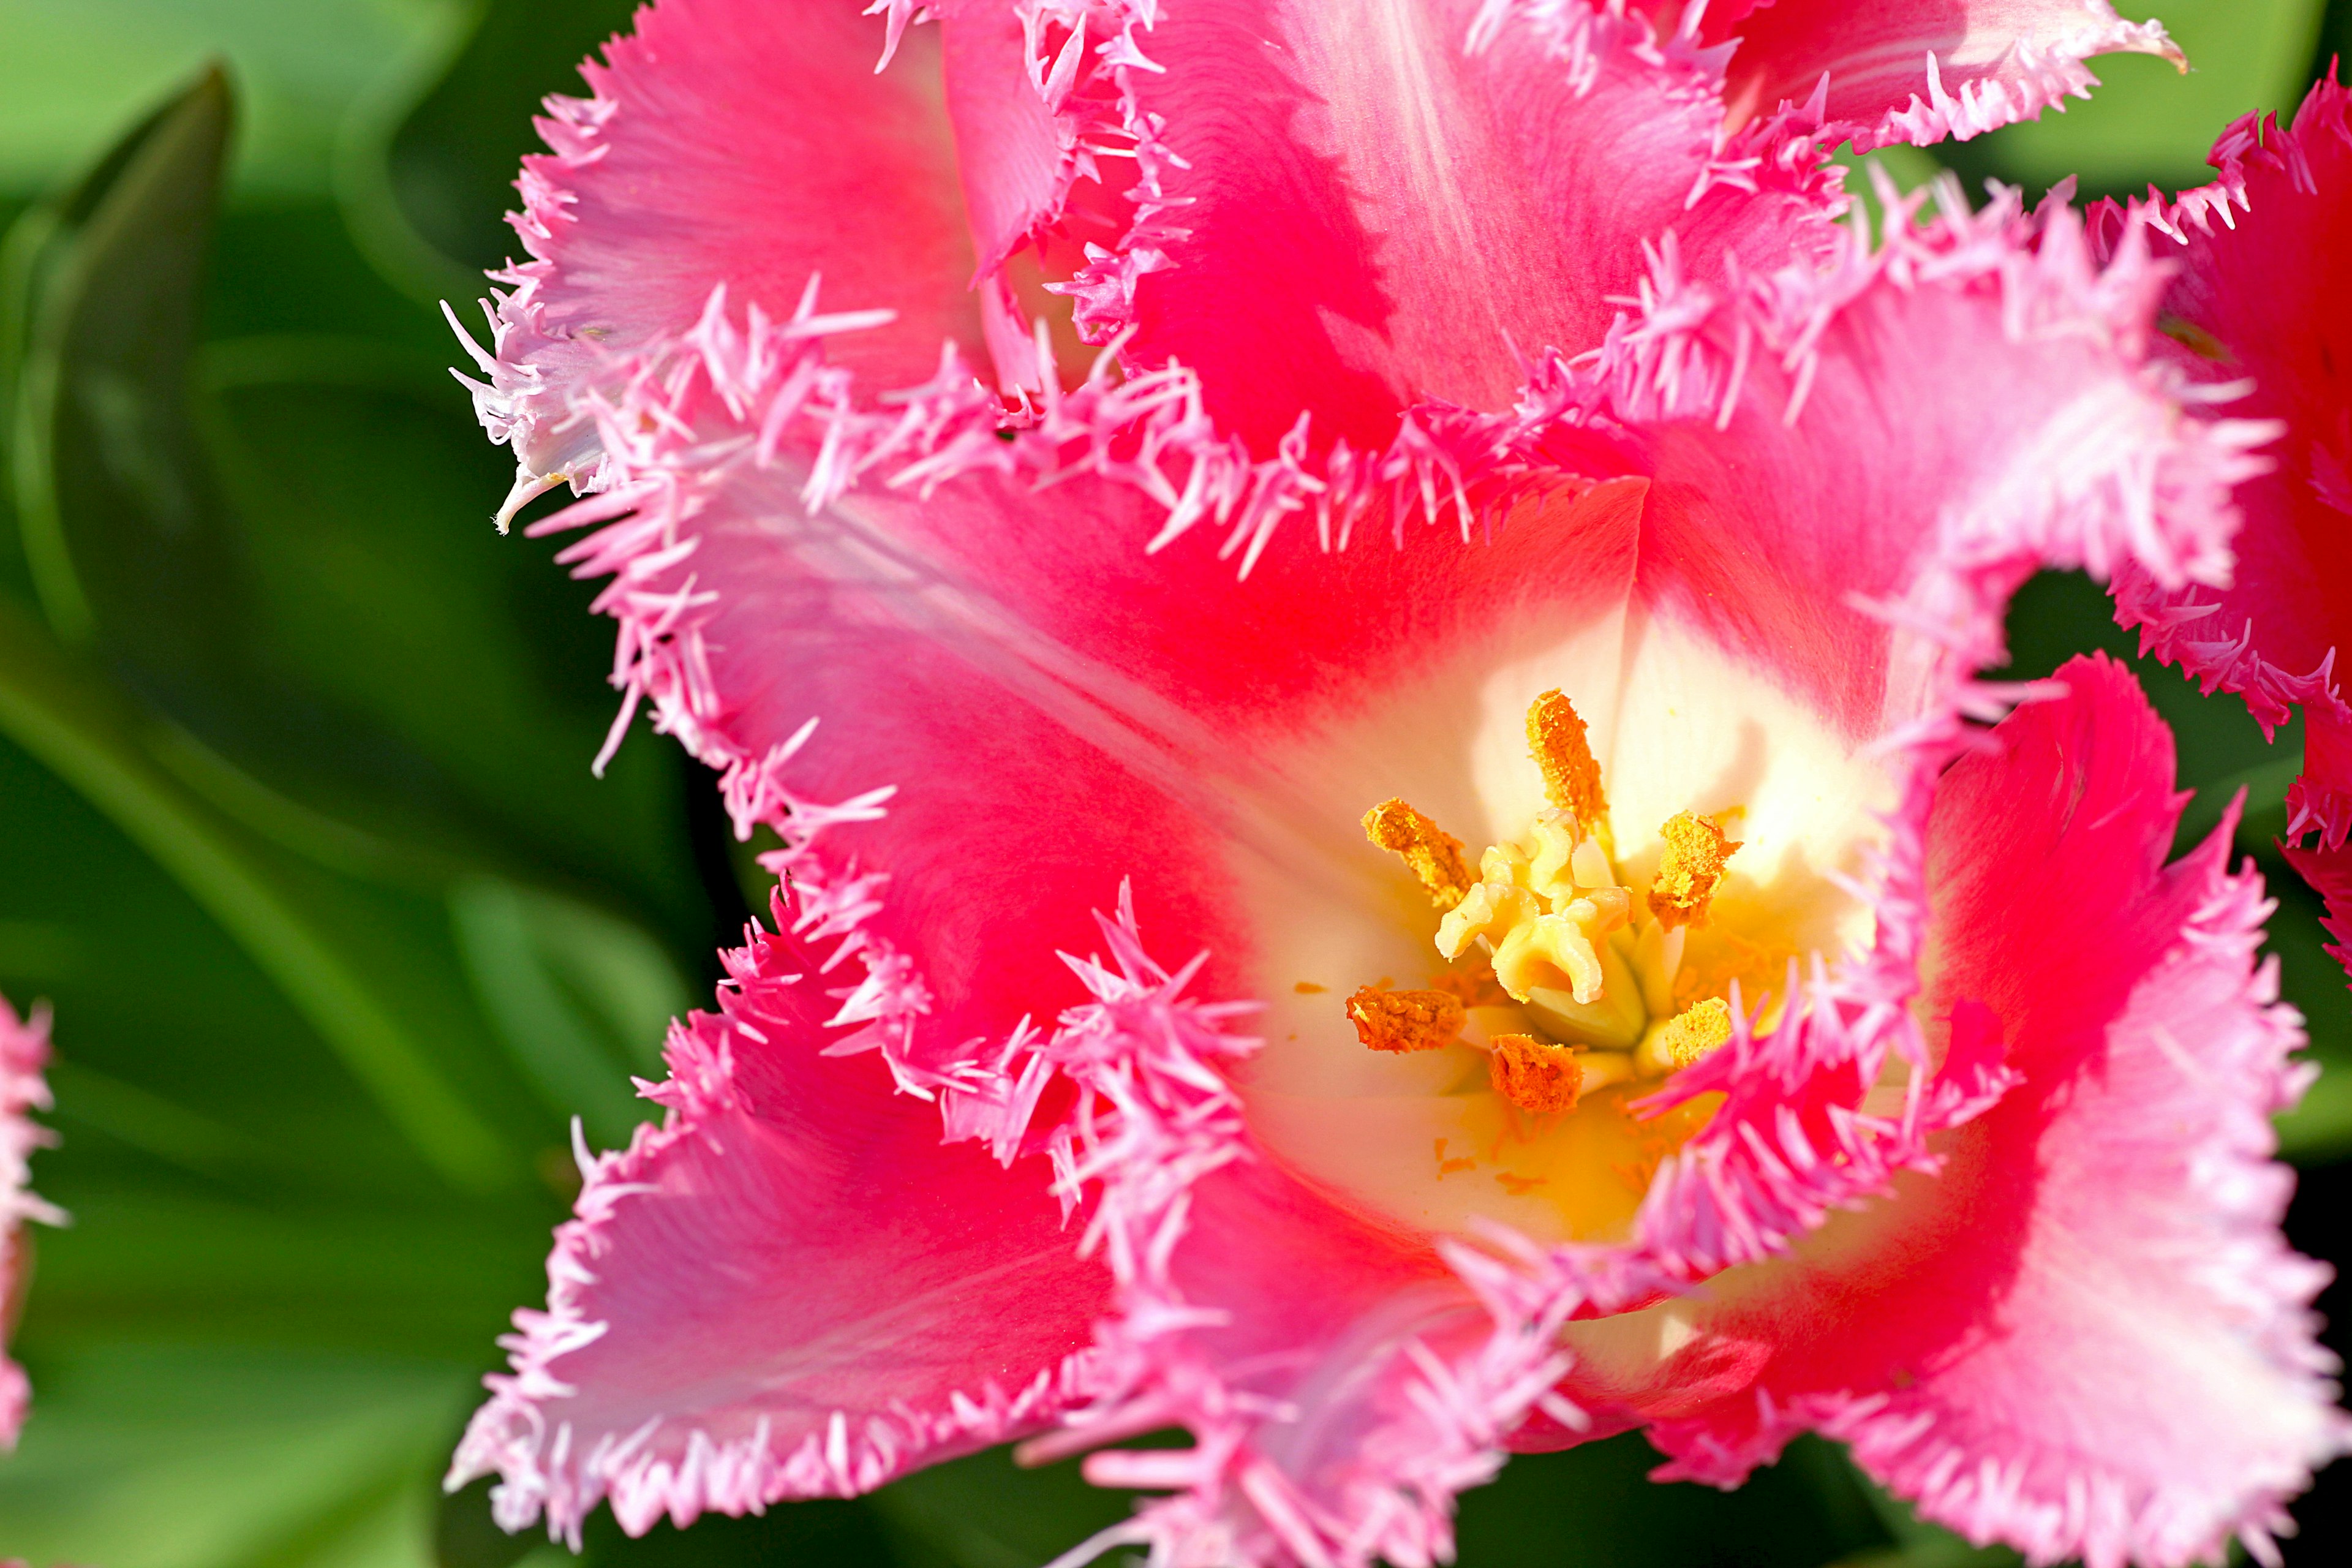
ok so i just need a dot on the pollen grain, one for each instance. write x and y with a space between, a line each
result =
1403 1021
1693 1034
1690 870
1433 855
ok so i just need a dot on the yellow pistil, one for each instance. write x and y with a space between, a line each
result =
1406 1020
1534 1076
1571 778
1690 870
1691 1034
1433 855
1545 930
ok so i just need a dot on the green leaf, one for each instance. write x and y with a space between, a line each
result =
344 657
1596 1504
309 940
203 1029
163 1456
467 662
2149 123
580 998
2262 816
1906 166
131 548
153 1124
100 440
985 1511
423 1274
449 169
1918 1544
77 71
2320 1128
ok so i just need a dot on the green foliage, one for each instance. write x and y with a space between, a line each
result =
296 832
2149 123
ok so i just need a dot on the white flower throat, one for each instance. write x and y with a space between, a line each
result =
1458 1034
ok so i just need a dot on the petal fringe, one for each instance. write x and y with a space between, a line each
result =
2253 318
1403 202
24 1052
684 1363
1914 70
676 176
2086 1337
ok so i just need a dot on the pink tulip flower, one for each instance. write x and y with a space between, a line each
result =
1405 859
2256 304
23 1051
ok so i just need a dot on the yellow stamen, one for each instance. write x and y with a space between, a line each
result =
1534 1076
1693 1034
1571 778
1433 855
1690 870
1406 1020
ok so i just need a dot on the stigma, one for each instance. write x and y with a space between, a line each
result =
1585 964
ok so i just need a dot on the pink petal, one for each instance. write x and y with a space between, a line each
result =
2257 300
2084 1335
791 1289
2329 872
1343 211
1018 165
23 1051
735 142
1917 70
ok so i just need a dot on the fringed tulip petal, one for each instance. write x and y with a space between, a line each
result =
791 1287
23 1051
684 172
1343 211
2329 872
1914 70
2082 1335
2254 314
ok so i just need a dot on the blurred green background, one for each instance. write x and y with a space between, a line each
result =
298 834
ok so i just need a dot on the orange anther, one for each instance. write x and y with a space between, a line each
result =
1431 854
1534 1076
1690 870
1406 1020
1571 778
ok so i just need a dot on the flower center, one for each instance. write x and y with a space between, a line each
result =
1564 978
1457 1034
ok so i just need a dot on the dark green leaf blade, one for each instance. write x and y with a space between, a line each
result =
329 962
120 526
